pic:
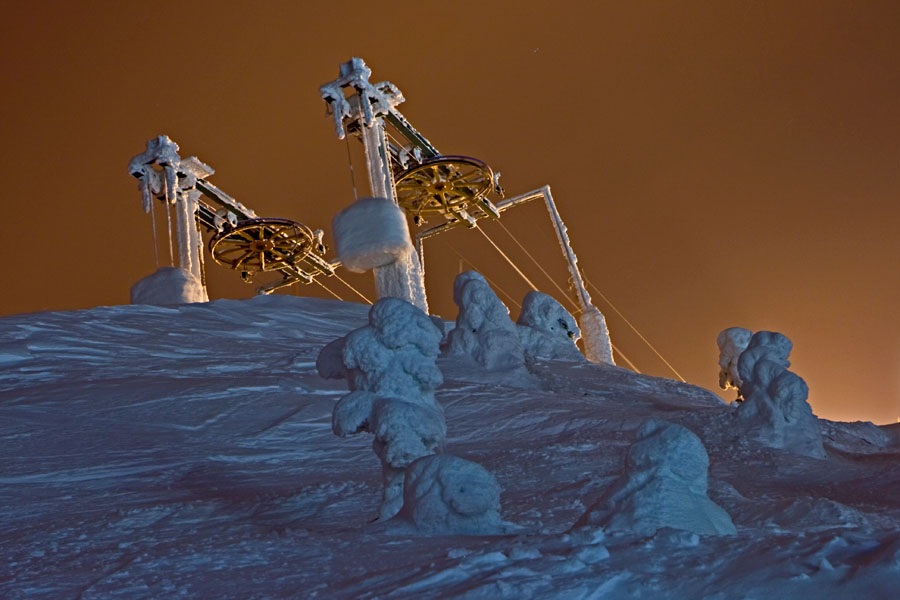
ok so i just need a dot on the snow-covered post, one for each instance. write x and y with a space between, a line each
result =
403 276
597 345
174 180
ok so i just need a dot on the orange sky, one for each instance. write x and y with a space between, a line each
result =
723 165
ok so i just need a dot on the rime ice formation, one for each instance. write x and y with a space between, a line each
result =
546 329
664 485
483 329
174 182
598 346
775 412
374 99
168 285
371 232
404 279
390 368
447 495
732 342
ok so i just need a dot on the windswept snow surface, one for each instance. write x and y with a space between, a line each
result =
185 452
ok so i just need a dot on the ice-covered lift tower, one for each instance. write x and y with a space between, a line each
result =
373 232
407 170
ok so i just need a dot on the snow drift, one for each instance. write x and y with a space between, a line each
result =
187 451
166 286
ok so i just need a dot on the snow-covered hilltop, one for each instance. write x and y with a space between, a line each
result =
153 452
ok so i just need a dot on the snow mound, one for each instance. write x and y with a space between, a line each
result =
732 342
167 286
390 368
547 330
483 329
445 494
370 233
664 485
775 412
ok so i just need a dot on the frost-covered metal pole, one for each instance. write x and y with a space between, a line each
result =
364 111
174 179
597 345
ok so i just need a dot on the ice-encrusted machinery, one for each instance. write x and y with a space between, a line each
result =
435 191
241 240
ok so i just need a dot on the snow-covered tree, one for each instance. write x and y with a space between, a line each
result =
732 342
483 329
547 330
775 411
390 368
664 485
448 495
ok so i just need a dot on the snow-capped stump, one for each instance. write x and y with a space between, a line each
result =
445 494
390 369
775 412
664 485
547 330
168 285
483 329
732 342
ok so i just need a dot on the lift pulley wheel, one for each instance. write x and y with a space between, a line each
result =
443 186
262 245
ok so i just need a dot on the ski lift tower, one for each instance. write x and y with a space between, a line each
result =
360 107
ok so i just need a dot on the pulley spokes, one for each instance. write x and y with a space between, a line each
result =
262 245
443 186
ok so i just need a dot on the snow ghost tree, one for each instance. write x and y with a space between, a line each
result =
483 329
732 342
775 411
664 485
168 285
547 330
444 494
390 368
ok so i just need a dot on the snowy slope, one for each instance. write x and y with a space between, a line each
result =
187 452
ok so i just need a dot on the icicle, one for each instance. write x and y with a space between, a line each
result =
144 184
169 221
184 234
152 211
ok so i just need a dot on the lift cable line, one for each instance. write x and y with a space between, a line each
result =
403 168
605 299
356 291
327 289
507 259
488 279
543 270
563 292
633 328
